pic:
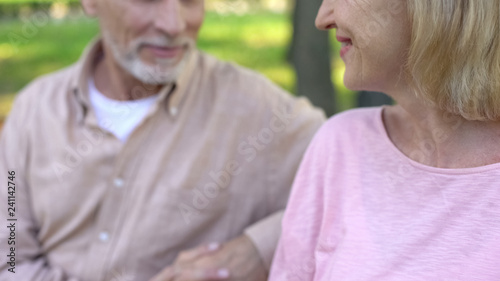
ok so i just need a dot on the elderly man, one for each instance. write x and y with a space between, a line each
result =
146 148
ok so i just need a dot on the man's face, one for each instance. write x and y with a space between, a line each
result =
151 39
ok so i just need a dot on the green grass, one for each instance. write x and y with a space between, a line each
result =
258 41
51 47
33 1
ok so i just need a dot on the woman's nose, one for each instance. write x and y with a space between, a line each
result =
325 19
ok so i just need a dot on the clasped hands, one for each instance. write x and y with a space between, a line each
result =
237 259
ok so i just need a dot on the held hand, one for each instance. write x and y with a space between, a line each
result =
183 269
240 257
236 260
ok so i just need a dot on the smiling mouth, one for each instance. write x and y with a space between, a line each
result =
165 52
345 47
346 44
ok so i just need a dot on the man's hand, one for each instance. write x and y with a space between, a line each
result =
236 260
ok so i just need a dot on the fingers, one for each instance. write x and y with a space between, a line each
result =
168 274
179 274
181 270
202 274
192 254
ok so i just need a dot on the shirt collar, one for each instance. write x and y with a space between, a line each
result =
173 94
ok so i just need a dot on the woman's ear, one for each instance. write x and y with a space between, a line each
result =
90 7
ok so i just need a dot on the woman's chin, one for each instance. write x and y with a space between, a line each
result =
357 84
353 84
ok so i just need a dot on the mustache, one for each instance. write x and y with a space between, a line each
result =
160 41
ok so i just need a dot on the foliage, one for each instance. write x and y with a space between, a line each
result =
256 40
34 1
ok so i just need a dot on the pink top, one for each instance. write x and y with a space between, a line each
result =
361 210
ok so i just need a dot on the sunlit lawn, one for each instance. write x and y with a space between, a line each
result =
258 41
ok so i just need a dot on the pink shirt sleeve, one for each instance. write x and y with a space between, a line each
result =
301 225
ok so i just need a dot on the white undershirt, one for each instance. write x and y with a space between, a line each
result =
119 117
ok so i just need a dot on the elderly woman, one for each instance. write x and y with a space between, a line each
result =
411 191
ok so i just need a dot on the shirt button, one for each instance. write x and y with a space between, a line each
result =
118 182
174 111
104 236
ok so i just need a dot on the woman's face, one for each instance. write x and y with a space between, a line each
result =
375 37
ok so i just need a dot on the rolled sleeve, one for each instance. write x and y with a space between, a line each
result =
301 121
265 235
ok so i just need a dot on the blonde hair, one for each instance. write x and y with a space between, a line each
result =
454 56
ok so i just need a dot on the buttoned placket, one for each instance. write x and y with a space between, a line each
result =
113 209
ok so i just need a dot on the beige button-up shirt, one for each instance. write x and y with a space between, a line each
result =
214 158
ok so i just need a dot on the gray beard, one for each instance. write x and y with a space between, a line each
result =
163 72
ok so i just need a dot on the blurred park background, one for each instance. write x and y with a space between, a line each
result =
274 37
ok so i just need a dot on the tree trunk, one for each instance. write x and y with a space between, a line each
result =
310 56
